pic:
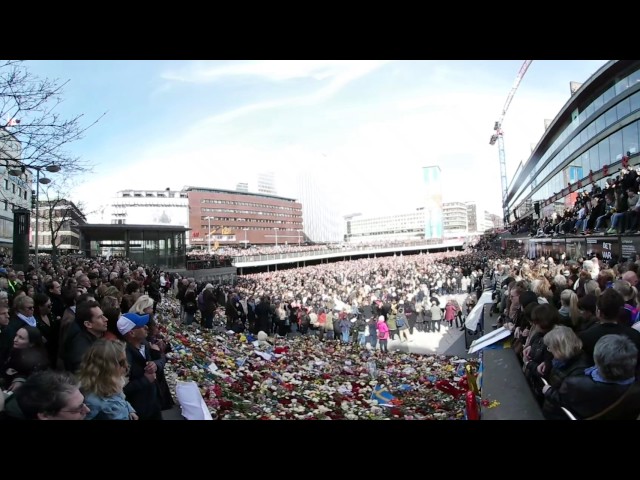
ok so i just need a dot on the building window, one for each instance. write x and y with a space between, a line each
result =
6 184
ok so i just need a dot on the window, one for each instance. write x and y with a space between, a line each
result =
603 153
6 184
634 101
610 117
622 85
630 138
623 108
615 146
13 185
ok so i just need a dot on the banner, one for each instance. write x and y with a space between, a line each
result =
629 248
605 248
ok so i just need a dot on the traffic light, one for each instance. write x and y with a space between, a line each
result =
34 200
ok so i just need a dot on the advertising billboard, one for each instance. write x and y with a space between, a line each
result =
433 202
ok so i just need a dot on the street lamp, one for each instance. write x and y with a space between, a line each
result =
245 237
276 230
209 235
17 172
299 232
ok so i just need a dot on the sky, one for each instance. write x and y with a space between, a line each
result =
363 128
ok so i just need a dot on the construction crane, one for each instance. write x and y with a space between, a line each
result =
497 137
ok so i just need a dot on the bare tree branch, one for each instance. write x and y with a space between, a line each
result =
27 111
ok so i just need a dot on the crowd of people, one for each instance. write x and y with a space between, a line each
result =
80 339
576 332
610 209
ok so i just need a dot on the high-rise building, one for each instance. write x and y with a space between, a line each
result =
322 222
242 187
15 191
433 202
455 218
472 219
267 183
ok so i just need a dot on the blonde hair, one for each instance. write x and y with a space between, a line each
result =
563 341
569 299
143 301
100 372
592 287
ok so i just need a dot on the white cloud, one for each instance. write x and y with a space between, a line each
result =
374 146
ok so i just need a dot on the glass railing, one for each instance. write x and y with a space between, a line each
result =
341 251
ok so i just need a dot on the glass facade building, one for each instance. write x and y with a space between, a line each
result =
598 125
155 245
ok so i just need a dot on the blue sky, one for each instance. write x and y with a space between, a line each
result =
364 128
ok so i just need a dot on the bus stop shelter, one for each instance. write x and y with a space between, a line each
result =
160 245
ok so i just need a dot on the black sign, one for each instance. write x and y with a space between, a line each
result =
605 248
629 248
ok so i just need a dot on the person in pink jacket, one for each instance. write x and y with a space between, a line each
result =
383 333
450 312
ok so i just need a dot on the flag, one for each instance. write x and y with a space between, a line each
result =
382 395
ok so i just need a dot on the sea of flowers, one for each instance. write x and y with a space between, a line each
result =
242 376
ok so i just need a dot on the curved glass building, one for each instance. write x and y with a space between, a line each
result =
595 133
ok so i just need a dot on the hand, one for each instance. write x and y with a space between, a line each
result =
526 352
516 332
151 367
542 369
150 376
133 416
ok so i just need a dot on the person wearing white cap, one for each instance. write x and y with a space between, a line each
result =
142 390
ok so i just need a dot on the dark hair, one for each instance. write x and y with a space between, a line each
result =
83 311
609 303
45 392
588 303
113 315
34 335
545 316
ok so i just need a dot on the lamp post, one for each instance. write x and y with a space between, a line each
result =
17 172
299 232
245 237
208 235
275 229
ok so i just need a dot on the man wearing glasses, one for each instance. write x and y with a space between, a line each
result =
47 395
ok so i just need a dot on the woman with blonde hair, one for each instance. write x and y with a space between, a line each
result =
542 288
102 378
591 287
142 306
569 312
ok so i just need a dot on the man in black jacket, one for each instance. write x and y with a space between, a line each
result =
142 389
93 325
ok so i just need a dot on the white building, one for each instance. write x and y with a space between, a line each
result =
455 219
64 217
405 226
321 218
149 207
15 191
267 183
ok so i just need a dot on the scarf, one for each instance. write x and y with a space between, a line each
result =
594 373
31 321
